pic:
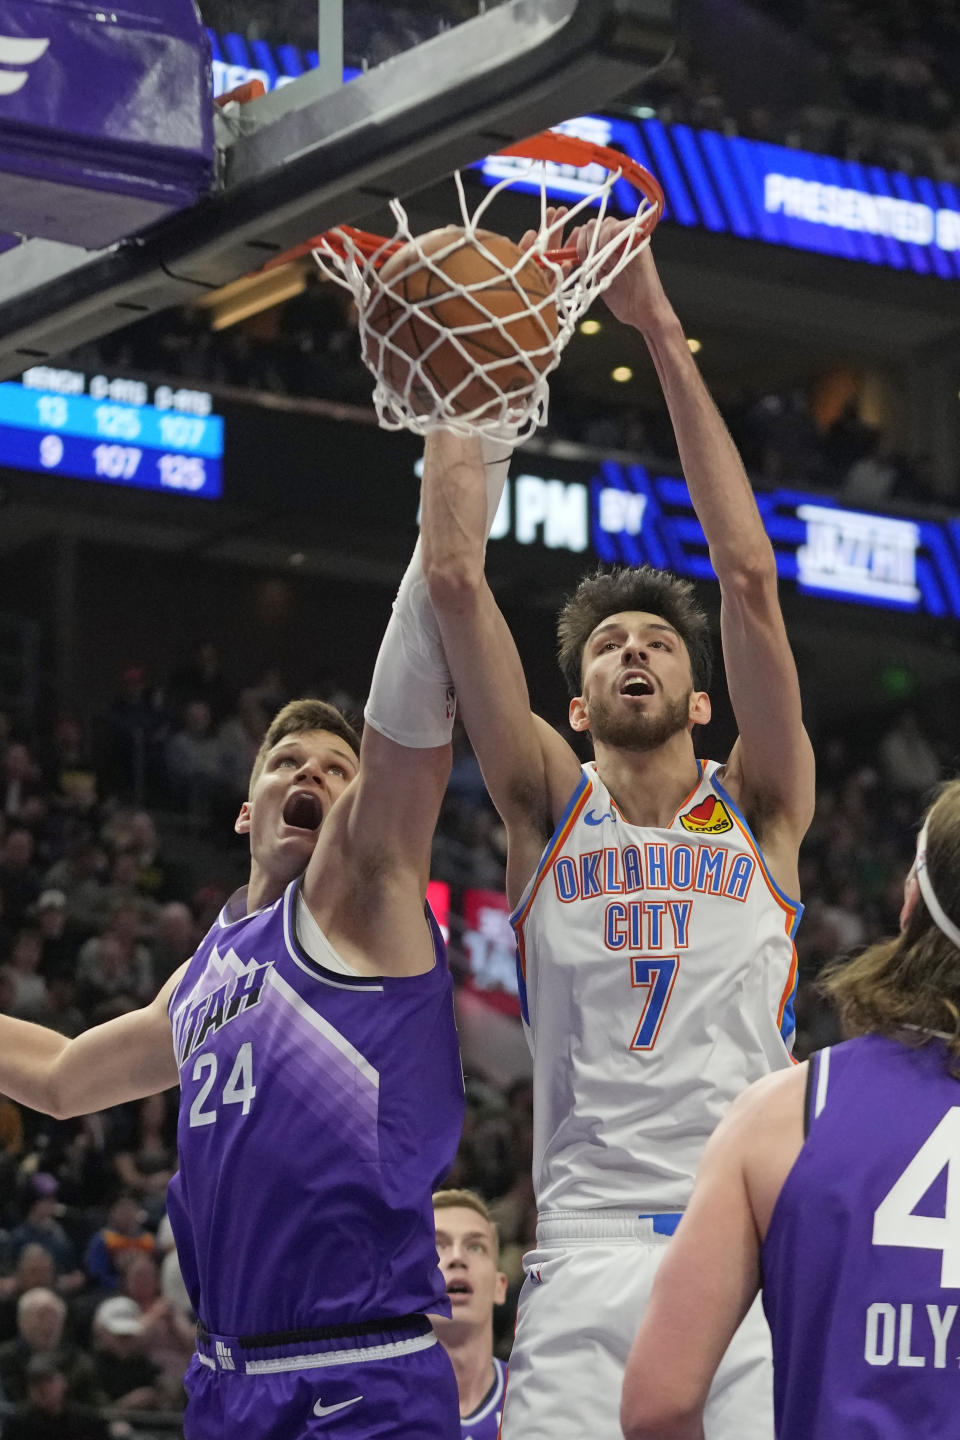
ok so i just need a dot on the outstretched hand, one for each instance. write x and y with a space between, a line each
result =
636 296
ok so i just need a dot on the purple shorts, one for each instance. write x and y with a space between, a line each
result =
381 1387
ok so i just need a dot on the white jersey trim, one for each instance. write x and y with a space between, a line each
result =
372 984
823 1080
323 1027
339 1357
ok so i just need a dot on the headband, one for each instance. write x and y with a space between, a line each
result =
937 913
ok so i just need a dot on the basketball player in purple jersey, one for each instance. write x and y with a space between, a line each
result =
650 892
321 1090
831 1187
468 1246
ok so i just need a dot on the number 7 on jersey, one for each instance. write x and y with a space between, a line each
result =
655 975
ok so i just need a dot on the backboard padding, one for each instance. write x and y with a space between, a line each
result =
305 161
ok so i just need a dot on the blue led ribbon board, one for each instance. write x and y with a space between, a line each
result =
723 183
768 192
58 423
901 563
237 60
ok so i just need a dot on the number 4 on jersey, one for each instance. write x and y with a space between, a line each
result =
655 975
894 1222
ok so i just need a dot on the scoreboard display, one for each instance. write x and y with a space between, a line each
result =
60 422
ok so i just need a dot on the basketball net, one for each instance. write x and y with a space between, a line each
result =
352 258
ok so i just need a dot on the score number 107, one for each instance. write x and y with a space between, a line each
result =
177 472
113 462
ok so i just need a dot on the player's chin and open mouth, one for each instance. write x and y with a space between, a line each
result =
302 811
459 1292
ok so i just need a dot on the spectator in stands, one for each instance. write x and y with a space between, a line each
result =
145 1167
174 940
240 737
41 1226
122 889
159 876
19 876
115 970
34 1268
171 1276
59 950
20 779
169 1336
63 1014
41 1323
202 678
50 1412
68 769
124 1235
79 876
135 731
29 999
194 763
128 1379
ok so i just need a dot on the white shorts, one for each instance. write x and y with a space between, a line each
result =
587 1284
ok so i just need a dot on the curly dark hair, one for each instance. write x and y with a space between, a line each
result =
297 718
608 592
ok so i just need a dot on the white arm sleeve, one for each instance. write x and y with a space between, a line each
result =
412 700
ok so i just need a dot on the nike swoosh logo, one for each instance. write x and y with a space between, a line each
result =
321 1409
592 818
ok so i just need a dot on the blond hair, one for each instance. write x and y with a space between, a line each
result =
468 1200
299 717
910 986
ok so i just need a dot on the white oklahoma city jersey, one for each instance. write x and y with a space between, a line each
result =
657 974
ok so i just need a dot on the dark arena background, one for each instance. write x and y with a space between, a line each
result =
200 519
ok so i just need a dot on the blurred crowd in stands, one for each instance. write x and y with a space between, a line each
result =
884 71
116 841
310 348
116 853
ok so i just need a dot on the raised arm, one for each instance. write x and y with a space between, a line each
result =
529 770
121 1060
367 878
771 770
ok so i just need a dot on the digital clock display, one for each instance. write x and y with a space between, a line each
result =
58 422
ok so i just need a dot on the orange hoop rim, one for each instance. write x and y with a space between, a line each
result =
553 145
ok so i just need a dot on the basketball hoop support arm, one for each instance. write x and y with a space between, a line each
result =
305 161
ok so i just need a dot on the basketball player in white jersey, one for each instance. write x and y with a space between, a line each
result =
654 894
469 1249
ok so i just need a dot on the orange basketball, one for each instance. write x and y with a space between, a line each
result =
485 361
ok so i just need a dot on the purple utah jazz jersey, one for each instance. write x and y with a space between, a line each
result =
318 1112
484 1423
861 1263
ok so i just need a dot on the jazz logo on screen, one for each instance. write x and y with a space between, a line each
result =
14 51
873 556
